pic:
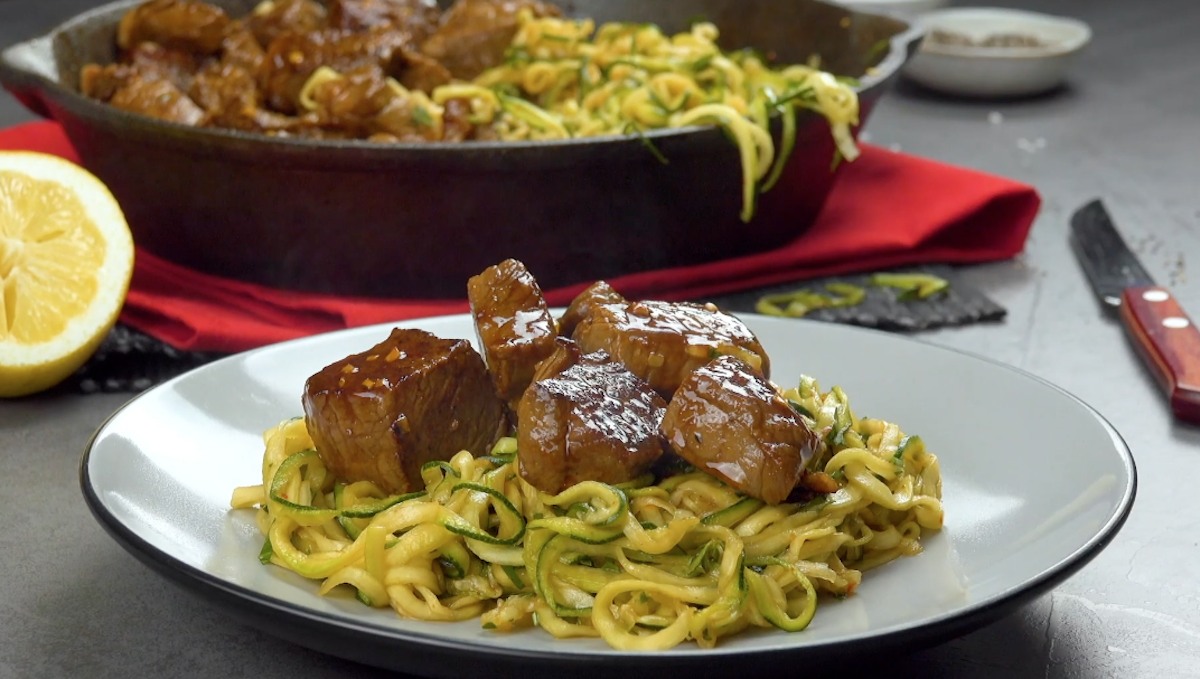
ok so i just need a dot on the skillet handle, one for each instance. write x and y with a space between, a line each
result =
26 69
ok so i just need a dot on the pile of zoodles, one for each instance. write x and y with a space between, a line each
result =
644 565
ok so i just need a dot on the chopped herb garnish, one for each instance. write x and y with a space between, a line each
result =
514 575
421 117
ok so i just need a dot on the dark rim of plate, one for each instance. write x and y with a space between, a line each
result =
913 636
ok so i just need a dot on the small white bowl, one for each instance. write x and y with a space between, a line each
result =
996 72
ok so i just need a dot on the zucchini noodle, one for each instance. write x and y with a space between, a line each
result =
566 78
624 77
643 565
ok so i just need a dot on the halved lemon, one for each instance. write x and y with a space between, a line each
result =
66 257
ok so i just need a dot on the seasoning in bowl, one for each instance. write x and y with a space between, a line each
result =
955 39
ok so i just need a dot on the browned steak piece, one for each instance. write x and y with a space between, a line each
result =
595 421
566 354
581 307
514 325
157 98
188 25
292 58
419 72
727 420
663 342
380 415
474 34
274 18
240 48
417 17
148 61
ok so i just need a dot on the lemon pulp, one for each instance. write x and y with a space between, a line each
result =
66 257
50 251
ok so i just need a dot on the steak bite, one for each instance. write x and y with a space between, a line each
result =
595 421
514 325
727 420
566 354
273 18
292 58
157 98
581 307
663 342
416 17
380 415
187 25
474 35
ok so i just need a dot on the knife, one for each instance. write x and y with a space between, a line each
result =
1163 333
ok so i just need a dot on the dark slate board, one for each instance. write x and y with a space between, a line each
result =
960 304
129 361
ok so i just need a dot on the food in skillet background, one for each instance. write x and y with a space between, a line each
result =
391 71
627 471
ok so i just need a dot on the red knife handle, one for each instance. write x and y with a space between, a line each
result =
1169 342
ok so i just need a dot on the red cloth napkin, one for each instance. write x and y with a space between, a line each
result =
887 210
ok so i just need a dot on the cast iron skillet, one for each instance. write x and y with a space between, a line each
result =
416 220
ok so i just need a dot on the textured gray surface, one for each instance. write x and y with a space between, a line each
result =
73 604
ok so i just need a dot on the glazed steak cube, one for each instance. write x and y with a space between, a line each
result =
594 421
662 342
581 307
382 414
514 325
727 420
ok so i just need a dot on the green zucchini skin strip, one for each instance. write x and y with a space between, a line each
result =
733 514
458 525
348 525
788 113
770 610
593 530
456 560
267 551
309 515
280 506
547 560
444 466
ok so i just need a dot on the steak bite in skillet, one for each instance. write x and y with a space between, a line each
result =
380 415
475 34
663 342
594 421
273 18
292 58
727 420
240 48
516 330
187 25
417 17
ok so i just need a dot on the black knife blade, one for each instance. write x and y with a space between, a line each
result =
1160 329
1110 265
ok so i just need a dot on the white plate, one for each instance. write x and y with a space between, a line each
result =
997 71
1036 484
